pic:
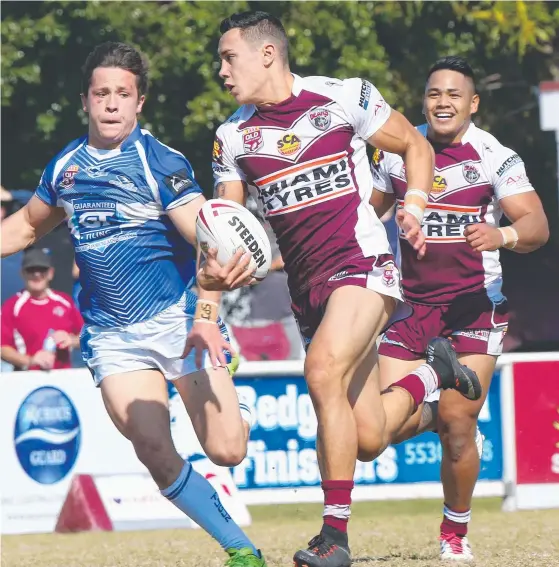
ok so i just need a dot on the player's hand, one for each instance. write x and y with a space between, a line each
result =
212 276
482 237
44 359
207 336
63 339
412 231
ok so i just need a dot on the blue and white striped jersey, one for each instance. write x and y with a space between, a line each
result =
133 262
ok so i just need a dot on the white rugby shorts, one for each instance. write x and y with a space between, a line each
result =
157 343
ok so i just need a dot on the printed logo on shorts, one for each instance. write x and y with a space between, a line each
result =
471 173
252 139
320 118
389 275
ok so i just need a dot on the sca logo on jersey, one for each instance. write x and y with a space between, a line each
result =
68 176
289 144
439 184
94 219
471 173
47 435
252 139
320 118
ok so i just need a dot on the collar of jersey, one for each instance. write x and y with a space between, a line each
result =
422 129
130 141
295 92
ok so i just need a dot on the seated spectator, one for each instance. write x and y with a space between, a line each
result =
39 326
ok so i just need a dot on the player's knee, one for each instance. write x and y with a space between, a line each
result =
323 374
372 441
228 451
457 436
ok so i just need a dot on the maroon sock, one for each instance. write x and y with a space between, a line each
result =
337 501
449 524
415 387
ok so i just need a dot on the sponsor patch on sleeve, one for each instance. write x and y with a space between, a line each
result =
508 163
178 181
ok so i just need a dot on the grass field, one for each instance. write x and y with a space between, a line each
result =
391 534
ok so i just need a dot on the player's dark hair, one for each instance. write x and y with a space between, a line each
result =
257 26
454 63
115 54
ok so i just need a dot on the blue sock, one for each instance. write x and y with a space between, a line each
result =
196 497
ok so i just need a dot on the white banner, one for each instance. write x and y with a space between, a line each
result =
53 425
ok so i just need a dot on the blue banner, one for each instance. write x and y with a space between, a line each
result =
281 451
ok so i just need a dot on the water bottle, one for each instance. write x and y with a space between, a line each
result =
49 344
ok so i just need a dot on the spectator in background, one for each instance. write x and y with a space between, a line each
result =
259 317
39 326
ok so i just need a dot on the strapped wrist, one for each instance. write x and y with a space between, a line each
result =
510 237
206 311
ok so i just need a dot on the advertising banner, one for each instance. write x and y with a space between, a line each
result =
282 453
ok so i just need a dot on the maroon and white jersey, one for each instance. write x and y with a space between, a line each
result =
470 179
305 161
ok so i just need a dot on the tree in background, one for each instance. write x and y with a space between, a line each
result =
510 44
513 46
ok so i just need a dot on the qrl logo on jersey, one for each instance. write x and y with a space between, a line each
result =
320 118
252 139
68 176
94 219
288 145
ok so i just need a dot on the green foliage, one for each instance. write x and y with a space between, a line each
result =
44 44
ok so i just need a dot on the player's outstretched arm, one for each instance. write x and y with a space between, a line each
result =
529 229
28 225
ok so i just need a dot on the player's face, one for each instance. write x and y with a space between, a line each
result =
37 280
449 103
112 102
243 67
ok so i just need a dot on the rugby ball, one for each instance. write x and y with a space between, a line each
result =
227 226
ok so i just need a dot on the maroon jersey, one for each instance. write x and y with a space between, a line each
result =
305 161
470 179
26 322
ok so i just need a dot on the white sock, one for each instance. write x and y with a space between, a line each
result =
429 378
